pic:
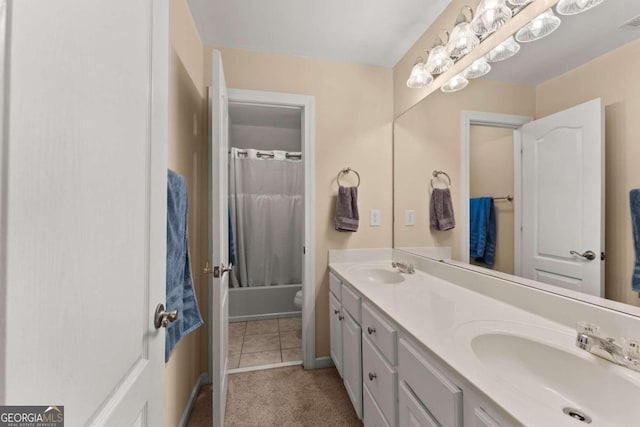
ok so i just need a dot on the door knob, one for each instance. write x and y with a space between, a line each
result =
217 271
588 255
162 318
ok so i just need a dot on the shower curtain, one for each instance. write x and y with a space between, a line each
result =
267 212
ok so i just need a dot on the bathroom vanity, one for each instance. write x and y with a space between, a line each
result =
447 346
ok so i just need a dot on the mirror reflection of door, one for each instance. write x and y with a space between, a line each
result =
562 185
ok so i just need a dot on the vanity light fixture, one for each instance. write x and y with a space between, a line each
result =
479 68
419 76
504 50
490 15
439 60
541 26
573 7
463 40
456 83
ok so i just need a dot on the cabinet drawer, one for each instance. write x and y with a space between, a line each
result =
380 379
441 397
482 419
380 332
372 416
351 302
334 285
411 411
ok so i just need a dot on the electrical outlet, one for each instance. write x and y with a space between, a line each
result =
374 217
409 217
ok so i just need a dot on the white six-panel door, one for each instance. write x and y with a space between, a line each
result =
219 238
83 207
562 198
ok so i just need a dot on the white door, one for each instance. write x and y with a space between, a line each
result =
562 199
83 208
219 239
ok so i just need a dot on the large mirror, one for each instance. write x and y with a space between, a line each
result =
538 158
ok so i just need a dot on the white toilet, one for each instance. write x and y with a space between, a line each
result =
297 300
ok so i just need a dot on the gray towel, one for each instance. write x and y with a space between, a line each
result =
634 203
347 217
441 210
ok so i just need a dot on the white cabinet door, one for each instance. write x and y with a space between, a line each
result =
83 200
352 361
562 198
411 411
335 327
219 235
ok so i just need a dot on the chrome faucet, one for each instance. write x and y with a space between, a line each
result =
607 348
403 267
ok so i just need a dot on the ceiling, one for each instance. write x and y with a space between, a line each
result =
372 32
579 39
241 114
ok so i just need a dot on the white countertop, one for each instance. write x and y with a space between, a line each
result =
444 317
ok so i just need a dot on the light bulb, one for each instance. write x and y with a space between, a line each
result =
438 61
479 68
419 76
458 82
490 15
504 50
543 25
573 7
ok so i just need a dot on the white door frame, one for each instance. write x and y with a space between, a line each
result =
307 104
508 121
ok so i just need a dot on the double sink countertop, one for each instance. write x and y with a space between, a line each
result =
527 364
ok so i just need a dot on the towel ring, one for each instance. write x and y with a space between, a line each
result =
346 171
436 174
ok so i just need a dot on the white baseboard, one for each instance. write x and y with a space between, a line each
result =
202 380
323 362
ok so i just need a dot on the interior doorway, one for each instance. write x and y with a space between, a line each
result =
271 188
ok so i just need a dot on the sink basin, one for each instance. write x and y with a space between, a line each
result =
560 377
377 274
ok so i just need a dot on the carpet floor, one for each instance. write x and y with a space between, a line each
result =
287 396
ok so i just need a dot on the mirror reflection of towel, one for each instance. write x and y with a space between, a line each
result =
441 210
634 204
482 239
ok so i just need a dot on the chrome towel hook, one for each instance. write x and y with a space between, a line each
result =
436 174
346 171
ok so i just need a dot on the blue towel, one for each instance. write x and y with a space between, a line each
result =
482 246
634 203
232 244
180 294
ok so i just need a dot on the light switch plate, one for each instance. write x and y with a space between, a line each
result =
374 217
409 217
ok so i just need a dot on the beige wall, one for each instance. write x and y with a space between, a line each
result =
491 175
428 137
614 78
354 112
188 156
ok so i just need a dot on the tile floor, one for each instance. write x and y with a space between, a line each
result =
262 342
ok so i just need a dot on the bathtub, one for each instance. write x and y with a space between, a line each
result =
262 302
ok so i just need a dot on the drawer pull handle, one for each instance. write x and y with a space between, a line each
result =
336 311
340 317
372 376
371 330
